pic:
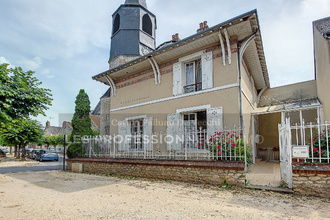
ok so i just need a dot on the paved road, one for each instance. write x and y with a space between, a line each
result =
43 166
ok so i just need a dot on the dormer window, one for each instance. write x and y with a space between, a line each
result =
147 24
116 24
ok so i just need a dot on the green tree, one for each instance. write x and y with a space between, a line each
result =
20 95
23 132
81 123
10 139
45 141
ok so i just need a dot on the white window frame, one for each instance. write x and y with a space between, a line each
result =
126 130
179 71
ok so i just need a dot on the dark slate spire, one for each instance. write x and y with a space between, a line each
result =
133 32
136 2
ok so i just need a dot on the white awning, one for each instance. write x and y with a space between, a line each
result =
289 106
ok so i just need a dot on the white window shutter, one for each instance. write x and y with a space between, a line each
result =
173 130
122 132
177 79
214 121
147 133
207 70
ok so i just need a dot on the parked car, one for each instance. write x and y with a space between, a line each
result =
43 155
5 150
28 153
2 154
34 153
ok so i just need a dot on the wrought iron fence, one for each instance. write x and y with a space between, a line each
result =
317 137
196 145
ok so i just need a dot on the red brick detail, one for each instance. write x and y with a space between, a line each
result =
170 63
310 168
146 71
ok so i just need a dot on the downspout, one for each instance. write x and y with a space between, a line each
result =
241 47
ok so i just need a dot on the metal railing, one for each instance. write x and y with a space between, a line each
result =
317 137
227 145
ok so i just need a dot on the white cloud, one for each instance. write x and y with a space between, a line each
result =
46 72
4 60
33 64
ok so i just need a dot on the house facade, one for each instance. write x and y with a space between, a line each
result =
208 82
208 97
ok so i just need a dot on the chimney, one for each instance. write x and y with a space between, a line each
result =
202 26
47 124
205 25
175 37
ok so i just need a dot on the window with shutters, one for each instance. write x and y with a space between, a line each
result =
193 73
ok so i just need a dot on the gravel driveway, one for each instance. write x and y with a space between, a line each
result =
65 195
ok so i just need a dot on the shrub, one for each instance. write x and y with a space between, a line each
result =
75 150
318 145
229 146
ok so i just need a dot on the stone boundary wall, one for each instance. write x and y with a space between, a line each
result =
208 172
311 179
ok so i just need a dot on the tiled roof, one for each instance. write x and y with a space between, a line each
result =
95 119
50 131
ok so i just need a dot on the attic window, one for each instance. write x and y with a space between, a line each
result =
146 24
116 24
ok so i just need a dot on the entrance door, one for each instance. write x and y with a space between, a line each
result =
285 152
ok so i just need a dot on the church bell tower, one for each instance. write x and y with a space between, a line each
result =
133 32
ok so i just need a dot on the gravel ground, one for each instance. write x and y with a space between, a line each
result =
10 161
65 195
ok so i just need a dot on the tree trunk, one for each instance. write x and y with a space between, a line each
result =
11 150
19 151
23 152
15 151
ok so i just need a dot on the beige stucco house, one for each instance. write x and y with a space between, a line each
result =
213 80
210 81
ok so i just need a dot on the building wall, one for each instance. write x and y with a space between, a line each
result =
139 88
226 98
322 71
215 173
249 95
288 93
105 116
143 81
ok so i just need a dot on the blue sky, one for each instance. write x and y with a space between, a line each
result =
68 42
